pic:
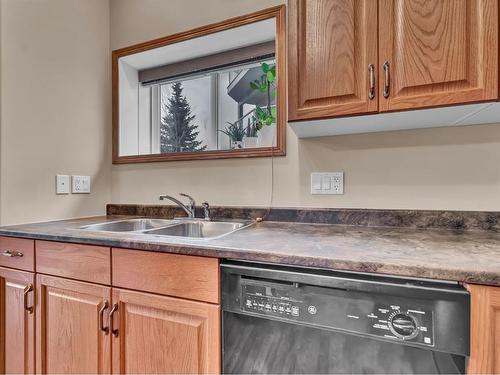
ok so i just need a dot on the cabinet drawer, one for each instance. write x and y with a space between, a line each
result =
176 275
81 262
17 253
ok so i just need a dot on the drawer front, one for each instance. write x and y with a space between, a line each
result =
183 276
80 262
17 253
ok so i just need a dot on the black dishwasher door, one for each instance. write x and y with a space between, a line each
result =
256 345
284 320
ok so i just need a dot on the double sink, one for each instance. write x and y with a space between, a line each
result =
181 228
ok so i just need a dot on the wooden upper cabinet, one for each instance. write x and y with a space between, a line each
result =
485 330
70 334
438 52
164 335
17 322
331 45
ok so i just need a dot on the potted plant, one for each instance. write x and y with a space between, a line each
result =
266 84
251 134
236 132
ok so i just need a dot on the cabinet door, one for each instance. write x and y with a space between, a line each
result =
17 322
485 330
331 45
159 334
71 327
437 52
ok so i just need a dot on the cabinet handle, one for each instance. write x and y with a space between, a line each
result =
387 80
27 290
12 254
371 80
101 317
111 314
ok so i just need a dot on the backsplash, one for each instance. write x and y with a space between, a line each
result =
418 219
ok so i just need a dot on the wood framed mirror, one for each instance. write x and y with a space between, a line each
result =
214 92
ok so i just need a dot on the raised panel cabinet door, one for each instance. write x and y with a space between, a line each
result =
332 61
155 334
437 52
72 332
17 322
485 330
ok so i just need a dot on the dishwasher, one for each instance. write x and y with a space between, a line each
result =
280 319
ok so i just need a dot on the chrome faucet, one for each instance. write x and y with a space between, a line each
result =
190 208
206 210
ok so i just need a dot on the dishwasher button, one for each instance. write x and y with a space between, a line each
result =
295 310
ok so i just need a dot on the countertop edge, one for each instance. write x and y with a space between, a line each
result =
438 273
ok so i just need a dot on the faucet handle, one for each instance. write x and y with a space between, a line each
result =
192 202
206 209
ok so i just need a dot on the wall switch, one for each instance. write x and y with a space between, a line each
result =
81 185
62 184
327 183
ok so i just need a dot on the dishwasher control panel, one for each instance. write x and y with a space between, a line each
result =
387 317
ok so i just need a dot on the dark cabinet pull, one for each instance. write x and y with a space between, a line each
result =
27 290
111 315
12 254
101 317
387 80
371 80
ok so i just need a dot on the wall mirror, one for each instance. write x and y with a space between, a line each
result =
217 91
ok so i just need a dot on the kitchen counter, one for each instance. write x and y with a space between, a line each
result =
465 256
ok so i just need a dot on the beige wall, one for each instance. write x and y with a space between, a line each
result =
452 168
55 116
55 101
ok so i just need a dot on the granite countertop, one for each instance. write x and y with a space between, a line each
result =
465 256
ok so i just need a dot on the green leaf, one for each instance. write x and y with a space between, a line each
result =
254 86
265 67
273 112
269 121
270 76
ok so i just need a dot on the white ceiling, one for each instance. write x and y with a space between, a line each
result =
258 32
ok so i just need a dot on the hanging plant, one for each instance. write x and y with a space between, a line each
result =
266 85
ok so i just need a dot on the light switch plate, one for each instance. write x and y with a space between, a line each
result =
62 184
327 183
80 185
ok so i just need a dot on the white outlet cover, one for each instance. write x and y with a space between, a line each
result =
62 184
80 185
327 183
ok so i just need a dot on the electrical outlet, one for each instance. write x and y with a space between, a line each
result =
81 185
327 183
62 184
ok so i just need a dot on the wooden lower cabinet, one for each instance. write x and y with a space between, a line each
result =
17 322
158 334
69 335
485 330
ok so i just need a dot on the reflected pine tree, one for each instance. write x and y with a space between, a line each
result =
178 133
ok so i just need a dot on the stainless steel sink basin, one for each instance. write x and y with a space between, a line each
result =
182 227
130 225
198 229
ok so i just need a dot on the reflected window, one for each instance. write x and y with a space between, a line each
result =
217 110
